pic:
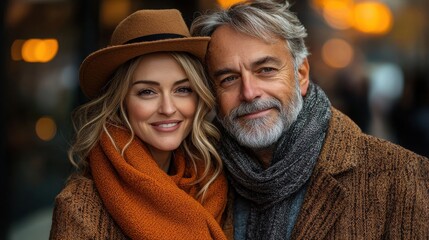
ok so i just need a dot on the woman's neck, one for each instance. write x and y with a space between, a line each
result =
162 158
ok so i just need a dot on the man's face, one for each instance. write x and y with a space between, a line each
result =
257 88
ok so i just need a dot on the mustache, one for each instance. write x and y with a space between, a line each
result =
255 106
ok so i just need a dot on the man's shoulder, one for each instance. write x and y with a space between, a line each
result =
379 181
346 142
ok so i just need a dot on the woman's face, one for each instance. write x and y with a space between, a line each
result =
161 103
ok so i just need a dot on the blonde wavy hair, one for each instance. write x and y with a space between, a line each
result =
92 118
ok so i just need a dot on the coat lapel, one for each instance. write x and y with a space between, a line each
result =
323 204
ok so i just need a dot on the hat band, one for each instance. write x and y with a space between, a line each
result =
154 37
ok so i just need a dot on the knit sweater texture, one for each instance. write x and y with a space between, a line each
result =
79 213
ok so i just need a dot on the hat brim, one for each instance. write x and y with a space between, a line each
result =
98 67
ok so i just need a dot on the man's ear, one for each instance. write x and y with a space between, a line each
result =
304 76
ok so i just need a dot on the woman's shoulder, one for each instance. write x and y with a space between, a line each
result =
79 188
79 213
80 198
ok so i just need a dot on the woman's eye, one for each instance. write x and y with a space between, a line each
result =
146 92
184 90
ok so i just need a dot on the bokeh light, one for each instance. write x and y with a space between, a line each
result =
338 13
46 128
337 53
227 3
15 49
114 11
372 17
39 50
317 4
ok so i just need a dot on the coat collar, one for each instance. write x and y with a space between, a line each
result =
342 132
326 198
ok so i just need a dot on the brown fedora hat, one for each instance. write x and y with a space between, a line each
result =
144 31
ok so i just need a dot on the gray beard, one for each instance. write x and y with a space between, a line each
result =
264 131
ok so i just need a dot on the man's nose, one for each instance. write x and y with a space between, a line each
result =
250 89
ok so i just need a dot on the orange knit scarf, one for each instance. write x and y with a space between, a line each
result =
147 203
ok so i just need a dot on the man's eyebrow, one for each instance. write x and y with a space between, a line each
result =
222 71
150 82
264 60
254 64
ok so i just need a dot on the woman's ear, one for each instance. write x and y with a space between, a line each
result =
304 76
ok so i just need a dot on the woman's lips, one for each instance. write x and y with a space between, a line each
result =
166 126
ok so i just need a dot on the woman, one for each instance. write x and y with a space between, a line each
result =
147 168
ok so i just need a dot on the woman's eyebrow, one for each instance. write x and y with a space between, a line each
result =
150 82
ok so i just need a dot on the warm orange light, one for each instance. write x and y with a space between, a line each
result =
372 17
337 53
28 50
338 13
39 50
113 11
227 3
46 128
46 50
318 4
15 49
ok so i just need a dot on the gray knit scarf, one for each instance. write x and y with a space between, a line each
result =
295 154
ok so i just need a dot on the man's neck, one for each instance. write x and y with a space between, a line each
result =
264 156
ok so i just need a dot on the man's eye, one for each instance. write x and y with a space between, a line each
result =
228 79
266 70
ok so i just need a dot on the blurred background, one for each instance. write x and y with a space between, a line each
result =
370 56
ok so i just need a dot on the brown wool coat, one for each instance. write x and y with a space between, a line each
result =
362 188
79 214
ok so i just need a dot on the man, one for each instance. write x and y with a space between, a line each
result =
299 168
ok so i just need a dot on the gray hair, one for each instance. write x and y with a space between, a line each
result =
261 19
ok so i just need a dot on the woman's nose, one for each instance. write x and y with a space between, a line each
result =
167 106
